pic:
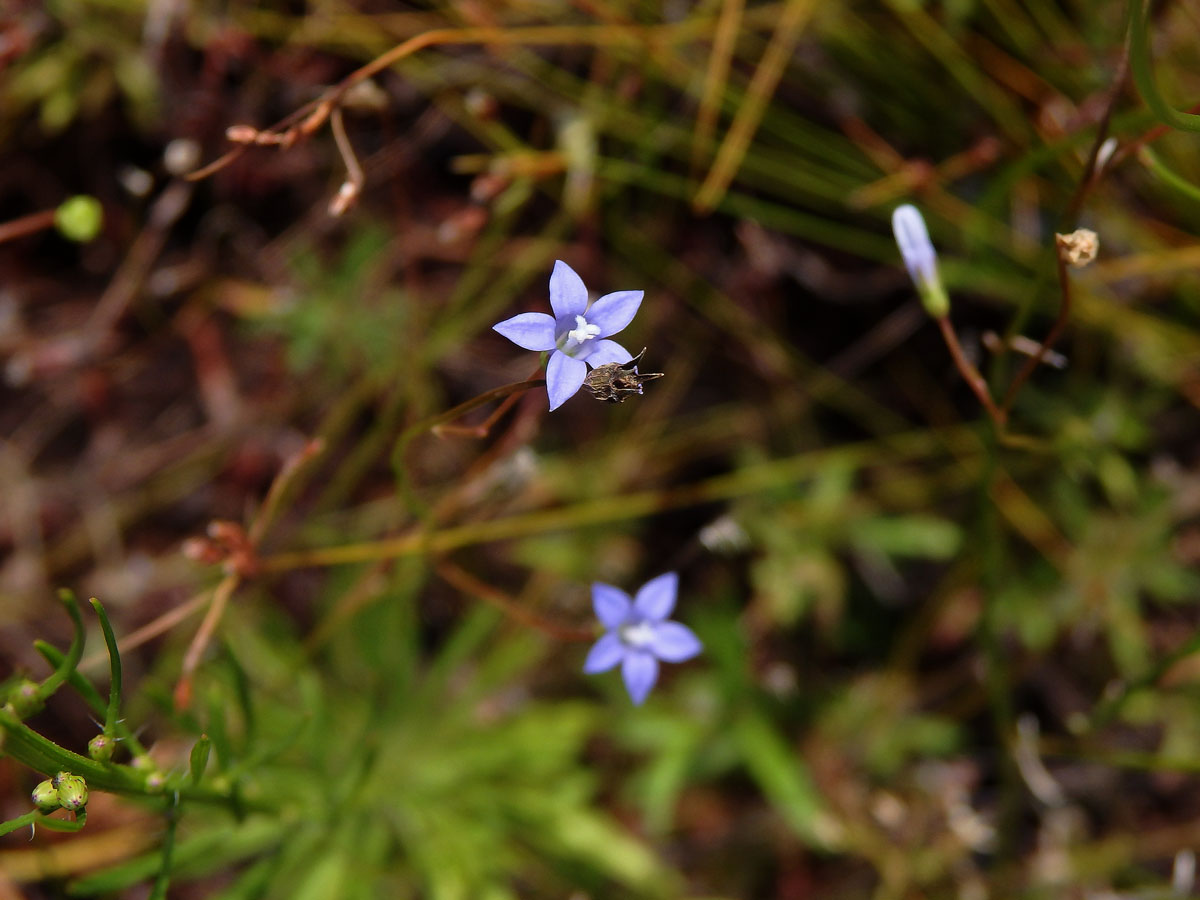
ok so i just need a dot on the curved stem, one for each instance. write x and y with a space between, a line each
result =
90 696
36 817
1143 70
71 660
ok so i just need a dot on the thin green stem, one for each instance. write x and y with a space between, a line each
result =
1150 160
749 480
163 881
31 749
90 695
71 660
36 817
113 713
1143 71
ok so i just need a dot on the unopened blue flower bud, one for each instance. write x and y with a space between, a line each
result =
45 796
920 259
72 791
100 748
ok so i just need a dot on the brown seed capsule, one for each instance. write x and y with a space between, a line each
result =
613 382
1079 247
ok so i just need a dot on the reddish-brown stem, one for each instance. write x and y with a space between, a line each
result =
1056 330
1148 137
208 627
353 185
224 591
469 584
1093 170
484 428
969 373
308 118
27 225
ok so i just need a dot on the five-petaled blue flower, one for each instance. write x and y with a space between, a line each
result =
639 634
577 332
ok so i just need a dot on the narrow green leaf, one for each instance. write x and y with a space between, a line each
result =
198 758
1175 182
90 695
781 775
113 713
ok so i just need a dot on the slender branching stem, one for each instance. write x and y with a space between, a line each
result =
970 374
1056 330
309 118
439 421
484 428
469 584
208 627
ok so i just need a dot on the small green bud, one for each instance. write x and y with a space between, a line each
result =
100 748
72 791
79 218
143 763
24 699
45 796
156 781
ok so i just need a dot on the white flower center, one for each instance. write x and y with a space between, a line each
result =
637 636
583 331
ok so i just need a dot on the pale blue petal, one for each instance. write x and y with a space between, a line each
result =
564 376
602 352
908 225
656 598
605 653
640 671
568 295
612 605
674 642
612 312
533 331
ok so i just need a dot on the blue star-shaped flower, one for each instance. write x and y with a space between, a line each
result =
639 634
577 333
